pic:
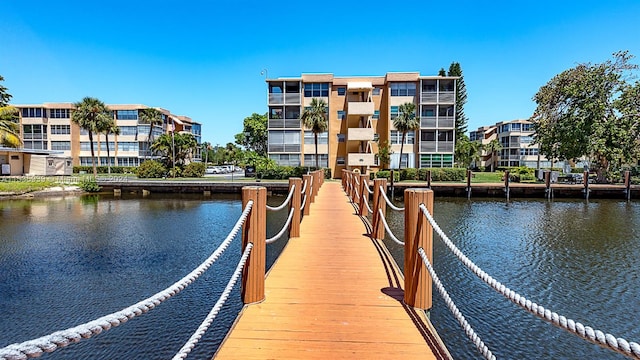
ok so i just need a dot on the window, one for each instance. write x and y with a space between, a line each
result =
60 129
428 136
275 113
445 135
396 137
340 114
341 138
376 91
292 87
403 89
436 160
310 160
526 139
292 112
428 111
394 112
59 113
61 145
342 90
504 128
284 141
376 114
286 159
124 146
527 127
133 130
445 111
32 112
275 88
310 139
316 90
516 127
36 132
429 85
127 114
340 160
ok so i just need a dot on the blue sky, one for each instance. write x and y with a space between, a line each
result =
203 58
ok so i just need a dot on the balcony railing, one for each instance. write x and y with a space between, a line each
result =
284 148
292 98
446 121
437 97
446 97
284 123
360 108
428 146
289 99
429 97
436 146
428 122
445 146
276 98
361 159
360 134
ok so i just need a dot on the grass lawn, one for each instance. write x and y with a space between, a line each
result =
487 177
25 186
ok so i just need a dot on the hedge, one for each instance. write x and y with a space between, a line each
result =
105 170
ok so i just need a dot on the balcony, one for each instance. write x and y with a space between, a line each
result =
446 122
287 148
428 122
430 97
359 85
360 134
361 159
446 97
292 98
360 108
284 123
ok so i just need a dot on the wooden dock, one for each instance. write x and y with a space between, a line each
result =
334 293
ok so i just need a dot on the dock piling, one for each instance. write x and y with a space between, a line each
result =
254 231
418 233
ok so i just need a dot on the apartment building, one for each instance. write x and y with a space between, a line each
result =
360 117
48 127
516 141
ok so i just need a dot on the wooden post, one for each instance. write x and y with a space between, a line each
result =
254 231
627 184
429 179
307 193
506 183
393 179
468 184
364 196
378 203
296 200
314 188
352 185
418 233
585 180
117 192
343 178
547 183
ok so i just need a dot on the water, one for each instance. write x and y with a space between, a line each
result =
576 258
66 261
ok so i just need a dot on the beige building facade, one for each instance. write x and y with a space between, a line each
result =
48 128
360 118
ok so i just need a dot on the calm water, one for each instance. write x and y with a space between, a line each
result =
69 260
576 258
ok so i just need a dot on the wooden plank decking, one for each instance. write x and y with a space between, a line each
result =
333 294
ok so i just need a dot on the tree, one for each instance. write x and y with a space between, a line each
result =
182 145
590 110
153 117
254 134
467 151
461 99
384 154
493 147
406 121
314 118
9 128
206 148
110 128
442 72
91 114
232 154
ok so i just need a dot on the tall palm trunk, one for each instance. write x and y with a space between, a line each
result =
315 138
93 155
106 137
149 141
401 149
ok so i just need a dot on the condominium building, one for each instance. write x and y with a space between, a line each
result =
360 118
48 127
516 142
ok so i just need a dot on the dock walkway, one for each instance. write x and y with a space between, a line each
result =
334 293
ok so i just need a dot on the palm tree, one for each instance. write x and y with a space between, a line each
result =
152 117
9 129
493 147
182 144
91 114
315 119
406 121
206 147
111 128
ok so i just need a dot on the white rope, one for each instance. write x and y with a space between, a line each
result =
284 228
598 337
58 339
304 202
193 340
369 189
366 204
356 180
304 188
384 194
357 196
285 203
386 226
471 334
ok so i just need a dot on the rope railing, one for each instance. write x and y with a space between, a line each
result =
304 188
49 343
284 203
386 226
283 230
304 202
204 326
369 190
484 350
384 194
366 204
620 345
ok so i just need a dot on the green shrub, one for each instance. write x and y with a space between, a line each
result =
151 169
89 184
409 174
194 169
447 174
105 170
386 174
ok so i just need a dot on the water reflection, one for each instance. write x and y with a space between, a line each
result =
577 258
